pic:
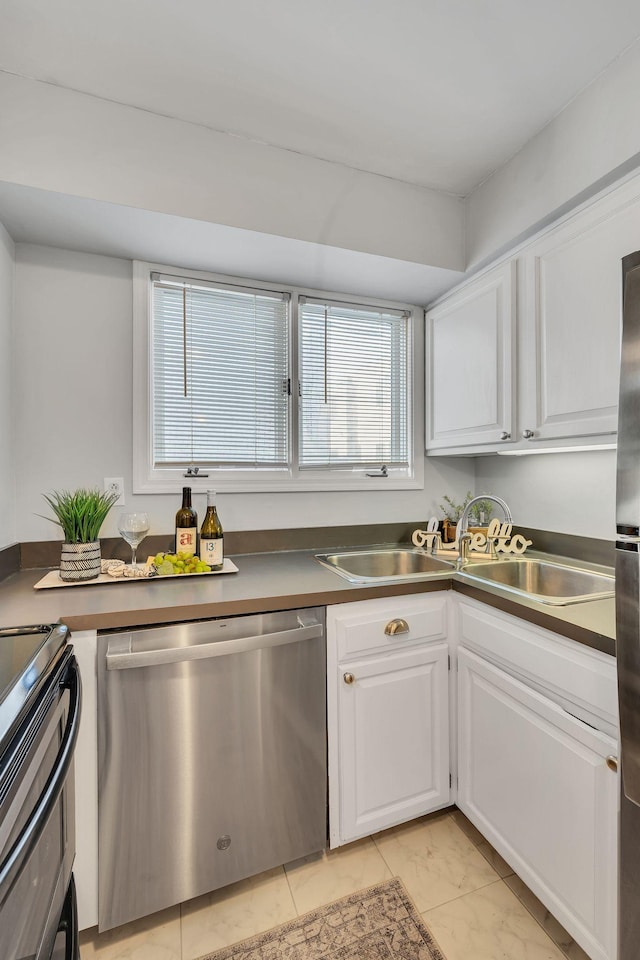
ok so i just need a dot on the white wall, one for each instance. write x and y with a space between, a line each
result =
7 460
593 141
566 492
73 143
72 403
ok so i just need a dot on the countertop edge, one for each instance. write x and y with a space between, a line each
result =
271 582
155 616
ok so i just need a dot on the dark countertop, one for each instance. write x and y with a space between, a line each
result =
266 582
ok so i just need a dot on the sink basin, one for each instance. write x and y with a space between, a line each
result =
542 580
393 563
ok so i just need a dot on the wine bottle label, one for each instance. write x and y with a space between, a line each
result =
186 540
211 551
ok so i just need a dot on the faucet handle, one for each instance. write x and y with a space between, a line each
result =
431 538
436 541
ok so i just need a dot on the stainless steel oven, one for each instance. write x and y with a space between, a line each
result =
39 716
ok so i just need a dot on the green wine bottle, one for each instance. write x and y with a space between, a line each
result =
211 536
186 525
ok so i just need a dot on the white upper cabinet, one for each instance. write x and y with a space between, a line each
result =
470 354
570 354
566 374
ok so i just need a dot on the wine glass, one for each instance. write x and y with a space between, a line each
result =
133 528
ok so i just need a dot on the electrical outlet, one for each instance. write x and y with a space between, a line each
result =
115 485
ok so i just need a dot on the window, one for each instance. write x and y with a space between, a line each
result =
354 386
220 375
269 389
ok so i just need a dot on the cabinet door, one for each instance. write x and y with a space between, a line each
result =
470 356
571 351
393 740
535 782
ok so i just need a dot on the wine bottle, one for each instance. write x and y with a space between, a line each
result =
186 525
211 536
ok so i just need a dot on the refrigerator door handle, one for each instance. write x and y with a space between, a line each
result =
630 545
628 659
624 532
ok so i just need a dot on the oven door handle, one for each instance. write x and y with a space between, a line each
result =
53 787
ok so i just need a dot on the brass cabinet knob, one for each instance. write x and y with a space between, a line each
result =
396 626
348 678
612 763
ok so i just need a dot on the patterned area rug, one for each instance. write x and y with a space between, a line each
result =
380 923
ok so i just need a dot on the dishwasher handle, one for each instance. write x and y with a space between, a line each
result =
121 657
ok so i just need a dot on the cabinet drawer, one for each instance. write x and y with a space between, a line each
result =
359 628
573 675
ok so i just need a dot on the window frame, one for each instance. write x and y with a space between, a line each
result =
150 479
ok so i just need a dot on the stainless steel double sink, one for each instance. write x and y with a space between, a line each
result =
393 563
542 580
539 579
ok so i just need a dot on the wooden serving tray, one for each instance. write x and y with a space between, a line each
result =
52 579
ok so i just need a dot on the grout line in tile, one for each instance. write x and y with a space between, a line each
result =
461 896
491 883
293 899
521 901
469 838
481 851
383 858
479 845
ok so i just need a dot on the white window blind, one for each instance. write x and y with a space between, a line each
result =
220 361
355 386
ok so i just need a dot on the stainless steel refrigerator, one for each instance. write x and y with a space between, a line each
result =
628 610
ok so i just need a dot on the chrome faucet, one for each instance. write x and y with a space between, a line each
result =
463 535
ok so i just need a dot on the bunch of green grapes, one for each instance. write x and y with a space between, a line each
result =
172 564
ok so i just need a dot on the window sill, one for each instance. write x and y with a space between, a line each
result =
215 481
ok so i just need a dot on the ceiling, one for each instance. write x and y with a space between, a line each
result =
431 92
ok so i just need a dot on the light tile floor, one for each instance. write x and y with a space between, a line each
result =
473 903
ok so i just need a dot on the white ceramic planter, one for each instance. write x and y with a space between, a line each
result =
80 561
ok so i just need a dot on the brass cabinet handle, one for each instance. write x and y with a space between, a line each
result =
348 677
396 626
612 763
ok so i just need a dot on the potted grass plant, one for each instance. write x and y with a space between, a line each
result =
80 514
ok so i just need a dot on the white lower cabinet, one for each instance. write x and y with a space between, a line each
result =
534 780
85 867
536 718
388 713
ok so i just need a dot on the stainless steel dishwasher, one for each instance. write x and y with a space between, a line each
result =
212 756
